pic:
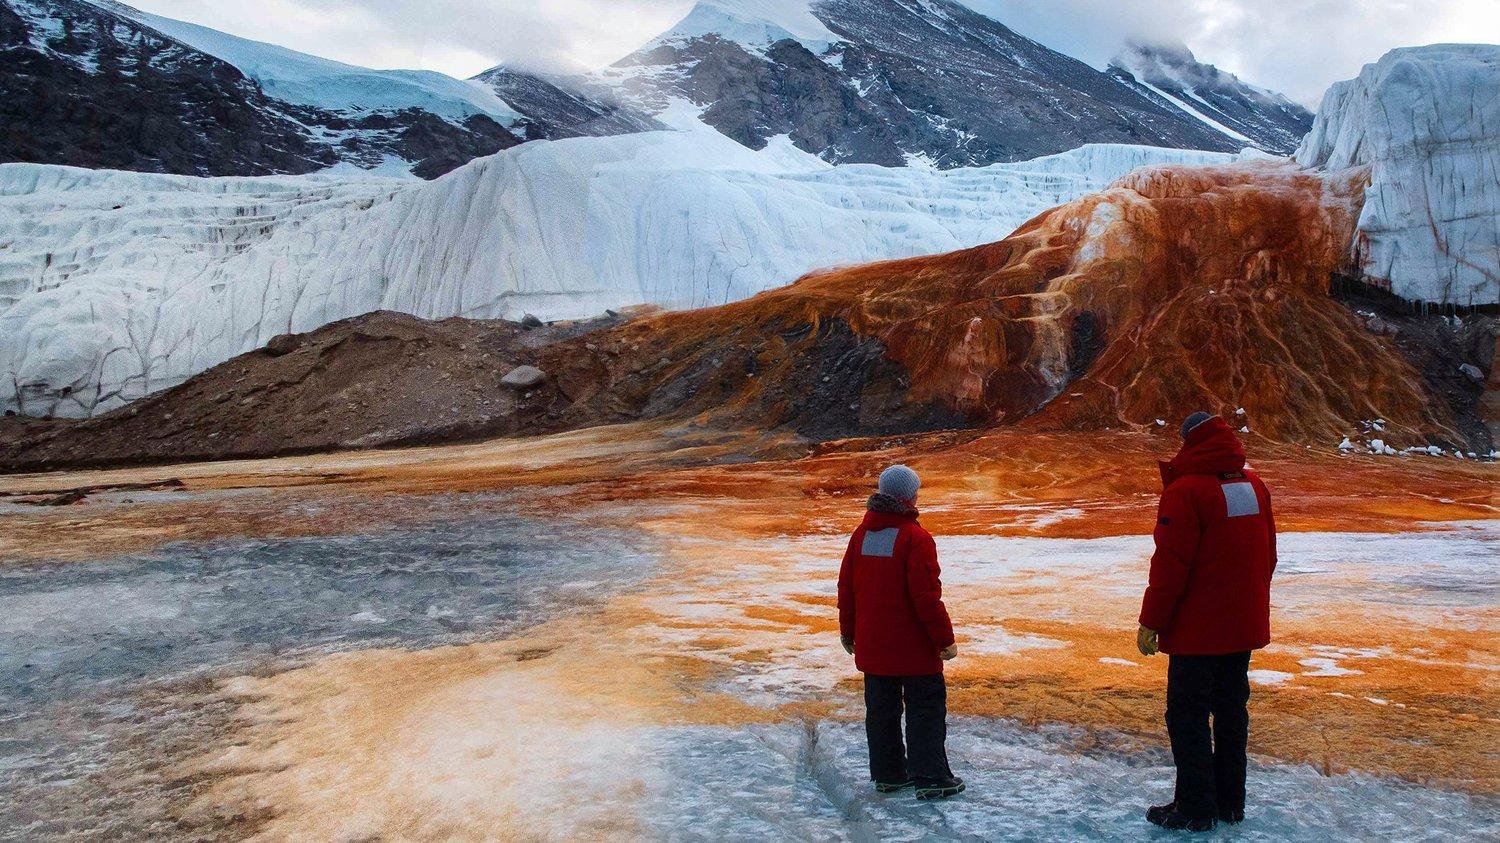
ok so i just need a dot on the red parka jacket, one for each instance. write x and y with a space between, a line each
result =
1210 587
891 598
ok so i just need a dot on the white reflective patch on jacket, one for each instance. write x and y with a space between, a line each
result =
1240 499
880 542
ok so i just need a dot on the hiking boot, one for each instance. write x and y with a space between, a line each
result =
1156 812
940 788
1168 817
1233 816
893 787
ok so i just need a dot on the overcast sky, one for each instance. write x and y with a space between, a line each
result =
1294 46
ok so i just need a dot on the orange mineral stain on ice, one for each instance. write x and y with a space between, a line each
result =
738 626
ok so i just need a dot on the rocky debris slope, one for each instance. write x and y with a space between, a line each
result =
1453 351
114 284
377 379
1424 122
1170 73
894 82
1176 289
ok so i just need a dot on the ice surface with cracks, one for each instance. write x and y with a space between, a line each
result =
1426 122
116 284
94 657
811 782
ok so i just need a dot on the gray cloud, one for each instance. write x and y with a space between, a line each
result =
1294 46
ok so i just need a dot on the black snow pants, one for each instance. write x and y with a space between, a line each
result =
1210 762
924 757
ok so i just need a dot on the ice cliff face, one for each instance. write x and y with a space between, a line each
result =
1425 121
116 284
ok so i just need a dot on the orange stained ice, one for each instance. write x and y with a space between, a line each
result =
736 625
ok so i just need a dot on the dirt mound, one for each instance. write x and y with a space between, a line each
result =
378 379
1177 289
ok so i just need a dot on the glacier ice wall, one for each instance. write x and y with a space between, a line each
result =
115 284
1426 122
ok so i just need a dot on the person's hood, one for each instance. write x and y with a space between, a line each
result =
1210 448
881 502
881 520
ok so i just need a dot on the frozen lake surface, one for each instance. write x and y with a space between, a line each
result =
106 669
810 783
103 665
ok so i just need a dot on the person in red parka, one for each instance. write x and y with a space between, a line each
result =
892 619
1208 605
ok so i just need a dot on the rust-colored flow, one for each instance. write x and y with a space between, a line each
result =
1176 289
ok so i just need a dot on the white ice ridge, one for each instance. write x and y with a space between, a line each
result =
1426 121
114 284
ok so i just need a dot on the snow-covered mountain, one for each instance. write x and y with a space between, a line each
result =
116 284
527 104
1425 121
1255 116
98 83
83 85
903 81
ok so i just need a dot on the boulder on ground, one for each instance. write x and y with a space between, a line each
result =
283 344
524 377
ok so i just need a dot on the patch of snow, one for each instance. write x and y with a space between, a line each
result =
1270 677
1199 115
996 641
1121 662
1326 667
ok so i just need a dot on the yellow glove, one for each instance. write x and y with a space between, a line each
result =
1145 641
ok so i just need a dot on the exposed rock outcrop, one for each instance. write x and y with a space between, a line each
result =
84 86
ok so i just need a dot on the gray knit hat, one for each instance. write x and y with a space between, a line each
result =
1193 421
900 482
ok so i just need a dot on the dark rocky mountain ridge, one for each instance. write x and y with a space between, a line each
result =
1170 74
90 83
899 81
